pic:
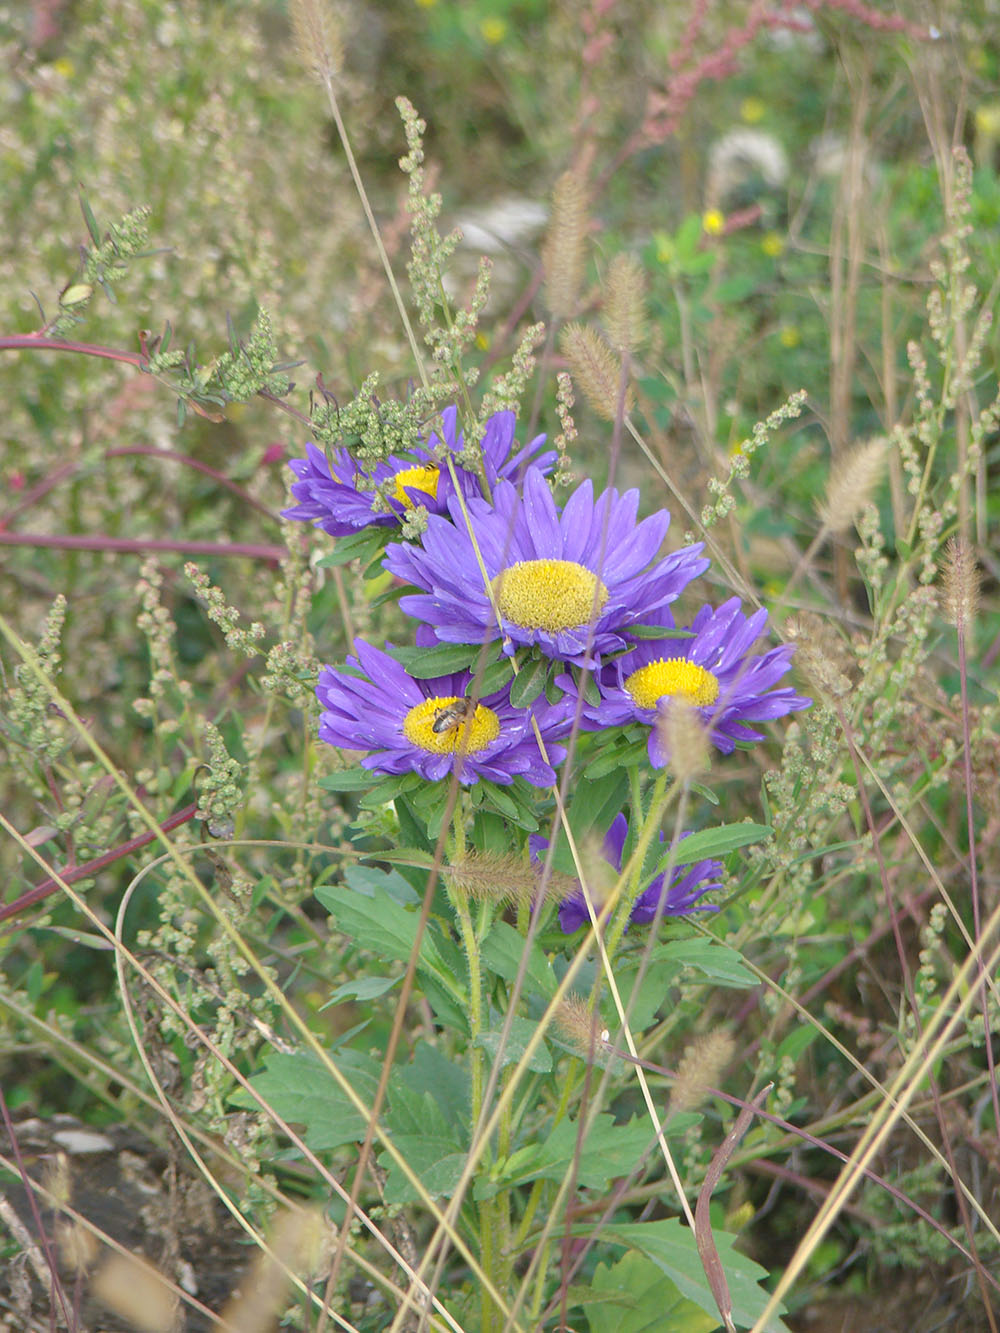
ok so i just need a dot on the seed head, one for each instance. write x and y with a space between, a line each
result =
851 484
961 585
624 310
596 369
564 251
700 1067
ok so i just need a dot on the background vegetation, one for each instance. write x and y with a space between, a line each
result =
190 291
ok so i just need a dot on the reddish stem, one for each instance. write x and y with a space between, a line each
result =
71 874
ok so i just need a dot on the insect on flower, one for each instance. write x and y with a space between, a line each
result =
451 716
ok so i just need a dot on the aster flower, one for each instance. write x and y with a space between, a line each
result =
339 497
427 727
688 884
713 671
569 583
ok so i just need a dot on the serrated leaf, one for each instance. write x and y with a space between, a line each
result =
608 1151
362 988
720 964
304 1093
503 950
384 926
636 1296
367 880
522 1030
671 1246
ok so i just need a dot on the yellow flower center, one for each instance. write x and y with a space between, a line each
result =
440 726
549 594
417 478
672 677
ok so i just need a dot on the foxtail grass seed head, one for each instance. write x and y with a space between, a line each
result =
137 1292
699 1069
490 877
852 484
295 1243
820 654
624 309
596 369
961 585
565 247
684 738
77 1246
579 1025
317 38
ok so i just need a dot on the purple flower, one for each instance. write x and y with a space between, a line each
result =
714 671
339 497
426 726
568 583
688 884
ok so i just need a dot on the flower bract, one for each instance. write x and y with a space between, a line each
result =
431 727
569 583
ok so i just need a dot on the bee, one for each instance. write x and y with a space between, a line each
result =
450 716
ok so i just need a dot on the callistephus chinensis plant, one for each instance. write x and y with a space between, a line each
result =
512 727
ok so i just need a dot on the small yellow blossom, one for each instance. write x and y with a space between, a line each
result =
988 118
789 336
772 244
753 109
482 341
713 222
665 249
64 67
494 30
426 4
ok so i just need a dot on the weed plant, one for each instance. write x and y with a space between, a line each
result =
500 763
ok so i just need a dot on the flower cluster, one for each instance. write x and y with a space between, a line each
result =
505 581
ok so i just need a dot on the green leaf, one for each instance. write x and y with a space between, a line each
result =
608 1151
671 1246
381 924
496 676
304 1093
348 779
441 660
368 879
714 842
362 988
636 1296
619 756
721 965
657 632
529 683
502 951
592 809
433 1073
363 545
522 1030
